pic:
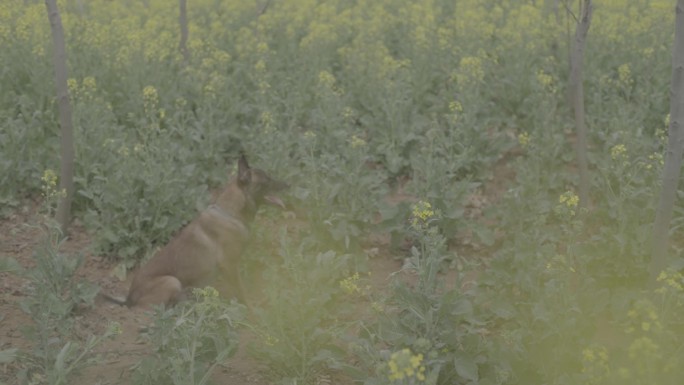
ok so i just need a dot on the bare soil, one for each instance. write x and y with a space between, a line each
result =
18 240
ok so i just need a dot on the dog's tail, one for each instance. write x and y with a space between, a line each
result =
114 300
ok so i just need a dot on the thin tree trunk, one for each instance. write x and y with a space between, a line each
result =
673 155
261 8
66 178
183 20
577 99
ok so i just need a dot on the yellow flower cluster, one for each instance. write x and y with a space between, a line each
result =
595 364
350 285
357 142
470 71
270 340
49 187
524 139
150 100
267 121
206 292
405 364
618 152
567 204
644 317
672 280
643 347
49 179
546 81
421 214
625 75
569 198
84 91
455 106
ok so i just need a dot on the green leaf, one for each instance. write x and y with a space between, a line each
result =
60 360
10 265
466 368
8 355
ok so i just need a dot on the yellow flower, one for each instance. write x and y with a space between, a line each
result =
150 99
618 152
545 80
262 47
263 86
260 66
266 120
350 285
269 340
645 326
405 364
422 212
625 75
455 106
348 114
180 103
206 292
89 84
326 79
569 198
657 159
568 203
357 142
72 85
470 70
524 139
643 347
49 178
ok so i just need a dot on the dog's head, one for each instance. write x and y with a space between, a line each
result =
257 188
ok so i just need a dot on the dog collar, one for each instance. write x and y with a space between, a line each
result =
230 217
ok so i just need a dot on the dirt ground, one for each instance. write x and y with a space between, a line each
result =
18 241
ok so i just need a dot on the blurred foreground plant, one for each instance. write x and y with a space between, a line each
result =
190 340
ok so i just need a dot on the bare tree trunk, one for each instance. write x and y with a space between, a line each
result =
673 156
66 177
261 8
183 20
577 99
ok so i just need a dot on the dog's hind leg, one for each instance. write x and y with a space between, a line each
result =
166 289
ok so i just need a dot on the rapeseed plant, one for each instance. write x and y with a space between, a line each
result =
524 139
471 71
406 365
357 142
150 100
350 285
595 364
421 214
618 152
671 280
625 75
567 205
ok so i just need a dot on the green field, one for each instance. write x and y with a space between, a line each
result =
434 134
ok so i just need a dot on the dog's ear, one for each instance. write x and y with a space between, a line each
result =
244 172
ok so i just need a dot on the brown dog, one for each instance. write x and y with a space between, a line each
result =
207 251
